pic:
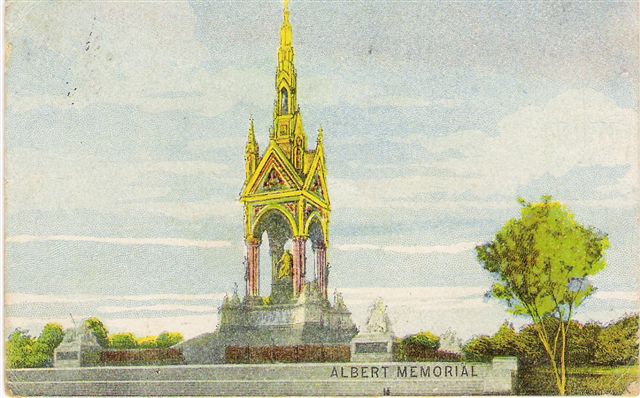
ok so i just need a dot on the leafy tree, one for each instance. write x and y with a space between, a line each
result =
99 330
18 349
123 341
506 341
168 339
542 262
581 343
617 344
24 351
43 347
148 342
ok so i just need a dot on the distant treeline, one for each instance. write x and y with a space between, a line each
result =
591 343
25 351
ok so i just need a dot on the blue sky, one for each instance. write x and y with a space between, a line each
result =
126 123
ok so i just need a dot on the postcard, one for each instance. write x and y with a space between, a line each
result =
320 198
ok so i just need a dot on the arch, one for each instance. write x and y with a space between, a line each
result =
278 208
319 219
284 101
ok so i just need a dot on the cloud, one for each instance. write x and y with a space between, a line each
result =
332 90
193 211
617 295
90 46
25 298
576 129
204 244
411 309
187 167
417 249
158 307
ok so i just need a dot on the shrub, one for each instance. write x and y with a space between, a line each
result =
155 356
617 344
122 341
148 342
167 339
99 330
423 339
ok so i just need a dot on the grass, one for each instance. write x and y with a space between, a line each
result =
583 380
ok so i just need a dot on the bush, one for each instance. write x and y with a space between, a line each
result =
167 339
99 330
148 342
617 344
122 341
426 340
539 380
156 356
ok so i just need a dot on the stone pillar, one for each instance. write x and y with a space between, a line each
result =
298 263
253 259
320 251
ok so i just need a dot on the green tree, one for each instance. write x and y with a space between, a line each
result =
617 344
43 347
123 341
99 330
18 349
24 351
581 343
168 339
542 262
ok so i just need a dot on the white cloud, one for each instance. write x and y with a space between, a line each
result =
333 90
579 128
205 244
187 167
158 307
406 249
194 211
128 56
25 298
411 309
617 295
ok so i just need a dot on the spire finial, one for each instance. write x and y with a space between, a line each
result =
251 131
320 135
285 30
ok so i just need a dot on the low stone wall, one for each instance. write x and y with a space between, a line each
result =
373 379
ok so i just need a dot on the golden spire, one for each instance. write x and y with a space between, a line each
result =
285 30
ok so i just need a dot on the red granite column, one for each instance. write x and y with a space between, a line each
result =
253 258
320 251
298 263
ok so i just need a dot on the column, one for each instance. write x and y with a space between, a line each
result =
253 258
320 251
298 263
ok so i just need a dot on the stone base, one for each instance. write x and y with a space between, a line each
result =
309 319
304 379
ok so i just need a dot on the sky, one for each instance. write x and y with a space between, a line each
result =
125 126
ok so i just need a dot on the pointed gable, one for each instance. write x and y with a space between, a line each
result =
274 173
315 182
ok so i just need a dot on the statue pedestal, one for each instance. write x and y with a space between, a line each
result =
375 342
78 348
307 320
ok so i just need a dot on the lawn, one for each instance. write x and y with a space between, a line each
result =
584 380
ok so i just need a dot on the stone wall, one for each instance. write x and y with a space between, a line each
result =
372 379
